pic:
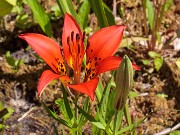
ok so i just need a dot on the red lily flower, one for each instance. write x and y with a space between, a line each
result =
99 50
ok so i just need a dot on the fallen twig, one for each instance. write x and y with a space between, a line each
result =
33 108
168 130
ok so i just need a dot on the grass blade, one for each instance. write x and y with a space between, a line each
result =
97 7
83 13
150 10
66 6
41 16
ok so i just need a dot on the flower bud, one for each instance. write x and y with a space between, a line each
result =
124 80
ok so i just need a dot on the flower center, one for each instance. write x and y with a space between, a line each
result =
76 51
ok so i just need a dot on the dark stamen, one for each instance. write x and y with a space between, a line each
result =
88 44
77 37
78 48
68 40
72 35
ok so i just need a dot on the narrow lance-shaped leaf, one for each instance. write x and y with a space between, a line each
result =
66 6
41 16
124 79
54 115
92 120
97 7
6 6
105 98
150 11
67 104
110 16
83 13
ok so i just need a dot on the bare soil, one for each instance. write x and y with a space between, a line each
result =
19 89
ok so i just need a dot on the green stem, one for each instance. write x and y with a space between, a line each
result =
127 115
115 121
76 112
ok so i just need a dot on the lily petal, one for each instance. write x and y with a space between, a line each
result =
111 63
46 48
105 42
87 87
47 77
72 40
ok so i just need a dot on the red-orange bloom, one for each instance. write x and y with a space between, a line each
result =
99 50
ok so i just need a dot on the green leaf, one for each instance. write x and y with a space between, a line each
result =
133 94
177 132
1 105
19 62
167 5
83 13
5 7
150 11
55 129
88 30
158 62
57 11
100 118
108 128
104 99
62 108
146 62
82 119
110 110
10 59
126 42
162 95
130 127
54 115
10 111
92 120
66 6
127 115
99 90
119 119
41 16
2 126
158 38
67 104
12 2
97 7
3 112
23 21
109 15
153 54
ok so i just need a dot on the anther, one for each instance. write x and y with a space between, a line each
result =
68 40
77 37
88 44
78 48
72 35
